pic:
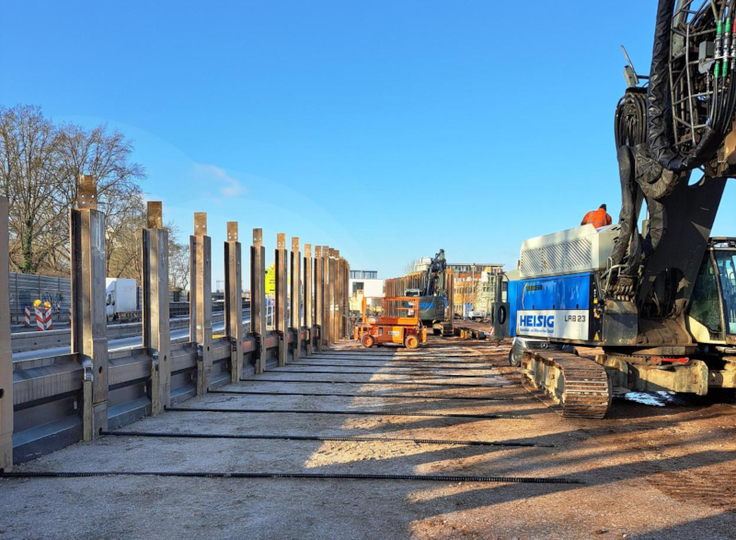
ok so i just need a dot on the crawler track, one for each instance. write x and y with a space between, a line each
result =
578 386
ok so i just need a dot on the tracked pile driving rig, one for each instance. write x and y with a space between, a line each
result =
658 304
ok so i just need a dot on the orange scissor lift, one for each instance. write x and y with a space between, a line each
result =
391 320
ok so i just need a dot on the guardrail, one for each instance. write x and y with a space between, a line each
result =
47 403
47 392
49 339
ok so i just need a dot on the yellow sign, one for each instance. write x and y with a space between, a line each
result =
271 280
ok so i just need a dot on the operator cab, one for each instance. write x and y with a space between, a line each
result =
712 314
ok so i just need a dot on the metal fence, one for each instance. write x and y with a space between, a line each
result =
25 288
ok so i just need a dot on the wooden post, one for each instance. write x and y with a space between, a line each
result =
319 297
6 354
281 299
258 298
200 300
308 301
89 319
155 281
234 300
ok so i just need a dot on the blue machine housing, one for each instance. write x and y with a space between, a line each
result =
558 308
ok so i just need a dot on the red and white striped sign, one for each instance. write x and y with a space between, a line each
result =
44 321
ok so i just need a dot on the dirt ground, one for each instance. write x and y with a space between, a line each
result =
645 472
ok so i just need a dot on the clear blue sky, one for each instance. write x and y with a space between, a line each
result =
387 129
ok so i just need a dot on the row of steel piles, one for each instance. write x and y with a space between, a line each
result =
311 315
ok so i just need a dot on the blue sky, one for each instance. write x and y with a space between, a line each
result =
387 129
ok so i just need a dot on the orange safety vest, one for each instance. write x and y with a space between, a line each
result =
598 218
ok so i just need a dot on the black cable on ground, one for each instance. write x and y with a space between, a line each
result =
300 476
312 372
322 438
417 358
464 368
387 383
416 354
428 363
332 394
347 412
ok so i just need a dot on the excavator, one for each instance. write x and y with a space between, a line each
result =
434 287
647 304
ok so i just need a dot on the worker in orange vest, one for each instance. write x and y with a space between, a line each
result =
598 218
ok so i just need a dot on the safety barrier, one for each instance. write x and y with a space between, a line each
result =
44 318
49 402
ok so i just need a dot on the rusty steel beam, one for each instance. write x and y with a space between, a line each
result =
326 312
234 300
333 295
336 300
6 355
319 297
340 334
348 292
258 298
308 301
89 319
346 298
296 298
200 300
281 299
156 330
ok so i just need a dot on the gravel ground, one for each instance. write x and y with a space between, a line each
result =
647 472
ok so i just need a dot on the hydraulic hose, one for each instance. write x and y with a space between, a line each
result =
322 438
296 475
356 412
659 97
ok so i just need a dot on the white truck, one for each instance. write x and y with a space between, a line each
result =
121 301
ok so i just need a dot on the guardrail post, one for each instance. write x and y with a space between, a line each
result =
155 281
281 299
258 298
234 300
308 302
319 297
6 355
89 319
296 298
200 300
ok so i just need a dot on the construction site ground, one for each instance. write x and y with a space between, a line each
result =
644 472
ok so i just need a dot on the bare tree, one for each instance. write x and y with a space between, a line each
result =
410 267
39 167
178 261
123 242
106 156
29 179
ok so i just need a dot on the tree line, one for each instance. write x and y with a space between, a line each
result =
40 162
